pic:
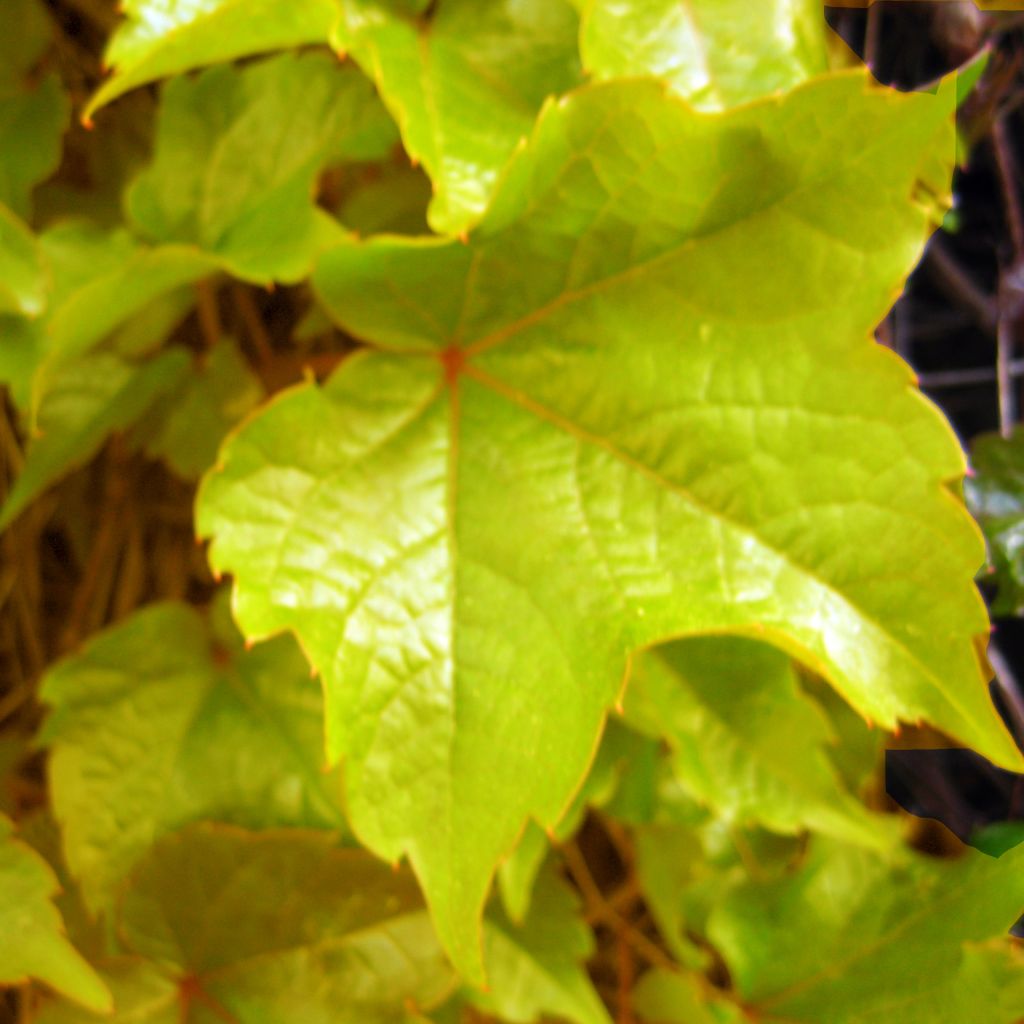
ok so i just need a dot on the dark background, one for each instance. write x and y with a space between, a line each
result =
959 323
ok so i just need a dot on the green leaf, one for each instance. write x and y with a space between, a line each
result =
99 279
716 53
666 998
160 38
237 155
746 741
853 938
269 928
536 967
32 940
187 427
392 200
164 720
142 993
995 496
32 123
282 927
578 436
858 750
23 42
22 273
465 85
88 399
686 867
516 876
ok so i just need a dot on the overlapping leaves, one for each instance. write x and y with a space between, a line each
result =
237 156
32 940
614 416
637 402
148 735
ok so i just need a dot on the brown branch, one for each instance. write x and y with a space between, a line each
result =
208 313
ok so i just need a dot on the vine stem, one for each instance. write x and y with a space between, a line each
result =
602 911
1009 298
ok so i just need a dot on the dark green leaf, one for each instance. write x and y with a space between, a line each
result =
163 720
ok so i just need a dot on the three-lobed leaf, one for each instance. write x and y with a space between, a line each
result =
616 415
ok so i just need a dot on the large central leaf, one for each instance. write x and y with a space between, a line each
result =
641 402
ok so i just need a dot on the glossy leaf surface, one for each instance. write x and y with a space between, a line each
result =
716 53
166 37
149 733
32 940
464 84
756 465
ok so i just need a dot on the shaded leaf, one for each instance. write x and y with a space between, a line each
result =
269 928
716 53
851 937
187 427
23 42
163 720
666 998
283 927
160 38
237 155
32 122
746 741
32 940
995 496
474 525
87 400
535 967
22 274
143 993
465 86
516 876
99 279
